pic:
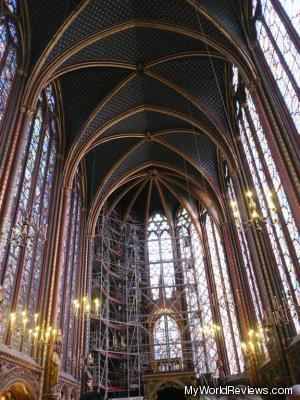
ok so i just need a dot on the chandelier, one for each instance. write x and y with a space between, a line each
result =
255 218
31 331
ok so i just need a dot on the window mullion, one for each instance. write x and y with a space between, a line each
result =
69 338
15 205
38 238
278 245
292 33
287 236
226 297
199 308
281 58
18 211
69 300
66 261
247 259
4 57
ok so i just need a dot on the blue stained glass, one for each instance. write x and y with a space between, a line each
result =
12 5
32 201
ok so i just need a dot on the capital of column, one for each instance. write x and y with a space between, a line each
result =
66 189
253 85
22 72
90 238
234 173
27 110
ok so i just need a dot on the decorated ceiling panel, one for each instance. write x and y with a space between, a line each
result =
83 90
148 121
144 90
202 77
98 15
129 46
151 152
101 159
225 11
148 71
46 17
196 146
155 191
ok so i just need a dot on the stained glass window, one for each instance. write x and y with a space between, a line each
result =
226 304
167 340
279 221
292 9
248 264
12 5
24 243
201 323
69 277
280 49
160 256
8 53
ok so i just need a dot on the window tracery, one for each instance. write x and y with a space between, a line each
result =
225 298
200 316
167 339
160 256
280 50
279 221
8 53
247 259
211 308
24 243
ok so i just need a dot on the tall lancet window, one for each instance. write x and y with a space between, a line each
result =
8 51
225 300
160 256
201 323
278 30
279 221
23 251
252 280
69 288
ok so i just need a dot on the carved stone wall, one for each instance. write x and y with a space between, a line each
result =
15 371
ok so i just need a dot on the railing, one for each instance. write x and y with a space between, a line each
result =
171 365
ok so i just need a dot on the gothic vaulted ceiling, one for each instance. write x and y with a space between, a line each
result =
143 86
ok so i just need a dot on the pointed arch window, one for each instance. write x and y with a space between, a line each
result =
225 300
8 52
278 29
23 247
167 339
201 322
160 256
280 224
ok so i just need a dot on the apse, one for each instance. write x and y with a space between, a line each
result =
149 197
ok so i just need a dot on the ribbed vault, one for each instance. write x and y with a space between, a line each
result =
144 87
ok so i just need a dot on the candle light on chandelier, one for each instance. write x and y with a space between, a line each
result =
30 330
86 307
253 346
254 216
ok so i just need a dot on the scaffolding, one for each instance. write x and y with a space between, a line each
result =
121 332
